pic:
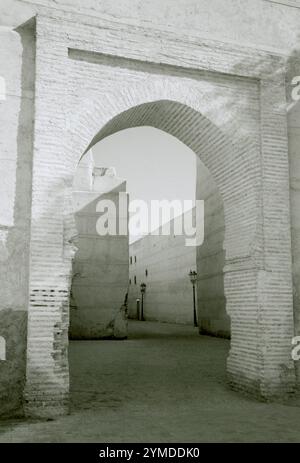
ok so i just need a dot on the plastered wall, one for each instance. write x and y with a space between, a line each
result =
100 266
163 263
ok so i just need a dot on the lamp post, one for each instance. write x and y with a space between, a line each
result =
143 290
193 279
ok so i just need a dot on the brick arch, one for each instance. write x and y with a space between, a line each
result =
233 168
236 169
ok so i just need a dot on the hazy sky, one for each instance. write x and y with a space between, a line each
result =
154 164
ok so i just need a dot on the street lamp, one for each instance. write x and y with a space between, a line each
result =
143 290
193 279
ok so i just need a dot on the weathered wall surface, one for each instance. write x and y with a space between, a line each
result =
100 267
168 261
294 158
229 121
258 23
213 318
17 66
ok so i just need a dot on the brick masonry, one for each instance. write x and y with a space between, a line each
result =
95 76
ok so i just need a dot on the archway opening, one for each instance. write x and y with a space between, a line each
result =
160 260
160 242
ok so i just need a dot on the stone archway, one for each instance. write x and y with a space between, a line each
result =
255 365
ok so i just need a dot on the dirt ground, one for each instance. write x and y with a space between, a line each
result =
164 384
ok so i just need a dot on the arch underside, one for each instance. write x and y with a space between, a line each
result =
232 167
